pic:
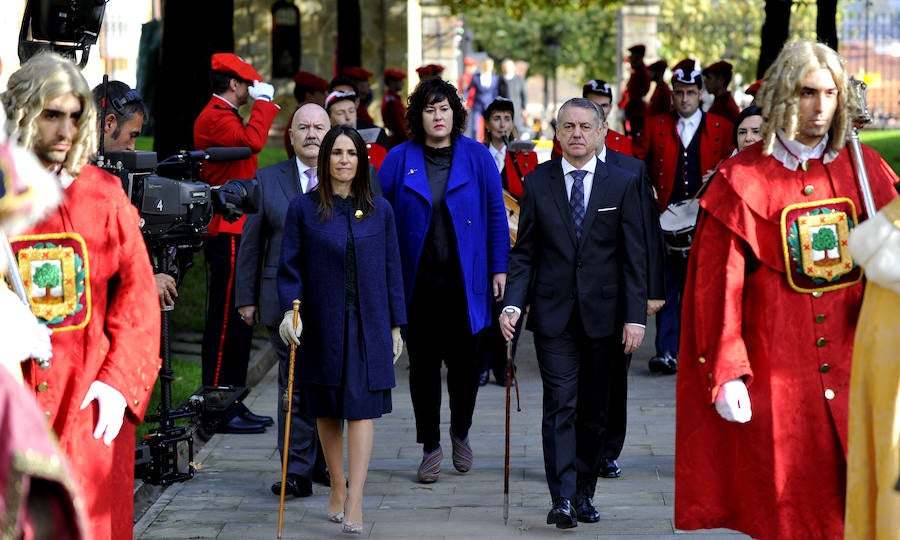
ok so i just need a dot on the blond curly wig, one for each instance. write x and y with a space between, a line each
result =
42 79
779 94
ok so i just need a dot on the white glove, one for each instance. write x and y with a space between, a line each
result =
397 341
733 401
262 90
41 348
875 245
112 410
287 331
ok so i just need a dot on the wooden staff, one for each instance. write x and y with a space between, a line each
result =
510 378
287 419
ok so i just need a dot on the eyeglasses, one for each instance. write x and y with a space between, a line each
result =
685 93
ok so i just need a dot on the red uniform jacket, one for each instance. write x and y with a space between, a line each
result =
725 106
661 100
393 114
220 124
658 145
783 473
106 324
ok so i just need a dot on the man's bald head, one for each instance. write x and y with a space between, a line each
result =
309 125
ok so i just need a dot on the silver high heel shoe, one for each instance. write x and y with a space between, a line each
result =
351 528
336 517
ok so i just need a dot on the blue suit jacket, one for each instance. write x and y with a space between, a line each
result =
312 269
474 199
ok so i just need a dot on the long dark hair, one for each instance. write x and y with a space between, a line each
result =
360 187
428 93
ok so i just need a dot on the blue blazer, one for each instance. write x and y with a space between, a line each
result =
256 268
474 199
312 270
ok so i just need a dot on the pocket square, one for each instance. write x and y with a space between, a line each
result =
607 209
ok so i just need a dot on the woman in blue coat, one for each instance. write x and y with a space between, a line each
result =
340 258
454 244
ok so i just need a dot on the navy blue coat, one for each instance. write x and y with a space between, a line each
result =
474 198
312 269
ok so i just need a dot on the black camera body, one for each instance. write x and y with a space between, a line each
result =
173 205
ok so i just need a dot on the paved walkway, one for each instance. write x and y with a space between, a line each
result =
229 496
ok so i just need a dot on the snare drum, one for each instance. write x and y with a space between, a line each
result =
677 223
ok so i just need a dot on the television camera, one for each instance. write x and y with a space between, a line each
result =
175 210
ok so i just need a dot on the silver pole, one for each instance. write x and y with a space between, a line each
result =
859 121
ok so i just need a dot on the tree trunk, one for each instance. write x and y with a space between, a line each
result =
774 33
826 22
349 32
192 31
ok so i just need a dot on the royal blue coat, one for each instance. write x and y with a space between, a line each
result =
474 199
312 269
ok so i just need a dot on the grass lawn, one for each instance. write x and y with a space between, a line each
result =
887 142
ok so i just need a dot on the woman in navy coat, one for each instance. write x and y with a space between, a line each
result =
454 244
340 258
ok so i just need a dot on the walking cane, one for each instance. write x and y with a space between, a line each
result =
287 420
510 378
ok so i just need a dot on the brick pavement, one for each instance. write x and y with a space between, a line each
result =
229 497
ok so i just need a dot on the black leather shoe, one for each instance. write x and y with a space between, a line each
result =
665 363
609 469
562 514
320 475
295 485
240 425
248 415
586 511
483 378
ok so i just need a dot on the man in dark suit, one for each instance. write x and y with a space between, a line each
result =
614 436
580 262
512 87
486 87
256 294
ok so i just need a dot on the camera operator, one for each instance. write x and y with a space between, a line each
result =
121 113
91 283
226 340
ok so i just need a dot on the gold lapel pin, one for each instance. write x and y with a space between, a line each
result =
358 214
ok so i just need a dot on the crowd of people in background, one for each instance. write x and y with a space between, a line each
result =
390 222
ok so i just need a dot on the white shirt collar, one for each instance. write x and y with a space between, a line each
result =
694 119
230 104
589 166
601 155
792 154
498 155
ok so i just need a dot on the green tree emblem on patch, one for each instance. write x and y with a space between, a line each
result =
824 240
47 275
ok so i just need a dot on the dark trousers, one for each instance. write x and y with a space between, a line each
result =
304 450
668 319
575 373
616 413
439 332
226 338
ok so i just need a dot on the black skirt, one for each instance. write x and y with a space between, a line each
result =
352 400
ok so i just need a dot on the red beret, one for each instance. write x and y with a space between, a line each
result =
638 50
469 61
659 65
355 72
719 67
754 88
310 80
232 64
597 86
430 69
391 73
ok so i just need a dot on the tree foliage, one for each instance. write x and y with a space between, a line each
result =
580 40
585 31
47 275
